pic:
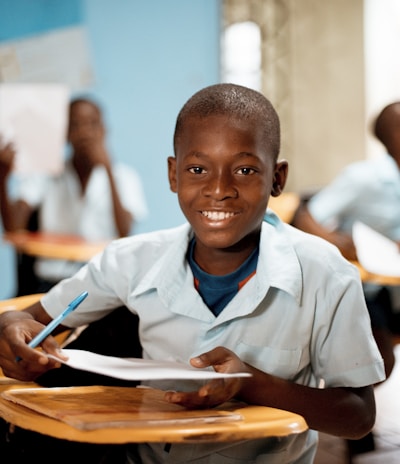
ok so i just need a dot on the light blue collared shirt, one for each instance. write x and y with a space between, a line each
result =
366 191
302 317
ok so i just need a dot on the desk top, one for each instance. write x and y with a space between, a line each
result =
379 279
56 246
19 302
137 415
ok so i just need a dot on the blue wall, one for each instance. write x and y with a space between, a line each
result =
25 18
148 58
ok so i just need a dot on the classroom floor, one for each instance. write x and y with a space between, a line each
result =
333 450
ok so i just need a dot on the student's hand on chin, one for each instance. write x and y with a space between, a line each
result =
97 154
216 391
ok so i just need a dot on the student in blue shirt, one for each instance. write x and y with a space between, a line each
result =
367 191
234 289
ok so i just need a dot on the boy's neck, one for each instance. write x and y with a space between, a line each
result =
83 170
222 261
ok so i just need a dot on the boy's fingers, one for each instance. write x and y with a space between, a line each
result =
199 361
217 356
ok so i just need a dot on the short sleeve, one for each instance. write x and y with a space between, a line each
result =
346 351
31 189
336 200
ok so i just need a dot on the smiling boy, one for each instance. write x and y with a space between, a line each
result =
234 288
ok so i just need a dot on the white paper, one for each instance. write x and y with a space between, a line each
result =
60 55
137 368
34 118
376 253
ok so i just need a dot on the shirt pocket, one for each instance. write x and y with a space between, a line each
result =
282 362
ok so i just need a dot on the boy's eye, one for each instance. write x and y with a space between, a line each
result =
245 171
197 170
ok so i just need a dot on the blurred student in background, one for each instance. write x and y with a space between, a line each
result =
93 197
366 191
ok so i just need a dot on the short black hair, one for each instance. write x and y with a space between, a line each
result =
79 100
387 120
235 101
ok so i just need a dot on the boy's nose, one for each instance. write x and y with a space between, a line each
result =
220 186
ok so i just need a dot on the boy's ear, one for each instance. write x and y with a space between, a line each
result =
172 173
280 176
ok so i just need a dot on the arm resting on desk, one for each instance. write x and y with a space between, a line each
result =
344 412
304 221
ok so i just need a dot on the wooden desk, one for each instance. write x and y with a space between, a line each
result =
148 418
19 302
56 246
379 279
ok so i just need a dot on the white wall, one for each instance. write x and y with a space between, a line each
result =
382 60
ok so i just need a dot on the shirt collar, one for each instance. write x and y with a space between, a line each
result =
389 168
167 272
278 264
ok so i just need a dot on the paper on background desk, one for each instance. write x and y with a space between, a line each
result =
34 118
376 253
137 368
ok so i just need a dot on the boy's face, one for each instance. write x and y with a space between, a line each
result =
85 126
223 173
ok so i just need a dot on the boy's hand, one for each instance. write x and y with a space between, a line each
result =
14 339
7 156
216 391
95 153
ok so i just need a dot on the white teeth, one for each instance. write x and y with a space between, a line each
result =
217 215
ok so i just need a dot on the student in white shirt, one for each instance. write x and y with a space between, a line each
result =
367 191
93 197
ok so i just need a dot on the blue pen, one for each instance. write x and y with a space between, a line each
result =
55 322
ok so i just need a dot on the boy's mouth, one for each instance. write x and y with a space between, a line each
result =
217 215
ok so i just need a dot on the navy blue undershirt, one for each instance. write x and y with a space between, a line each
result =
217 291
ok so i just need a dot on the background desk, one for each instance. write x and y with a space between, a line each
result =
378 279
19 302
285 205
170 423
54 245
